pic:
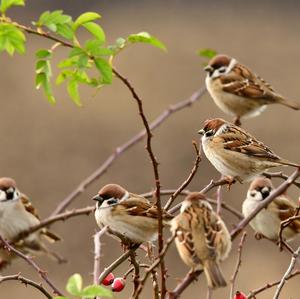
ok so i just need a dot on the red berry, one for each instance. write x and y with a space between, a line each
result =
239 295
108 280
118 284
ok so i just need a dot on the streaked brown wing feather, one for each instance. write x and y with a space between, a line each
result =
242 82
135 207
238 140
28 206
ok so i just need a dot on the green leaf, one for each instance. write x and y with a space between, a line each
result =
62 76
207 53
75 52
96 30
95 290
145 37
60 297
74 284
94 48
6 4
65 31
43 53
85 18
105 69
57 22
11 39
72 88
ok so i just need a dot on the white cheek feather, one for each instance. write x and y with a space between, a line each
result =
125 196
184 206
2 195
256 197
231 65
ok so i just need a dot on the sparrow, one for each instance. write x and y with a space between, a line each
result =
127 214
17 215
235 153
267 221
202 239
237 91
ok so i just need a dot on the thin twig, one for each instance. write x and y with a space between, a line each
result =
252 294
31 263
287 273
219 200
84 184
188 279
156 176
156 263
97 254
285 224
136 268
117 262
238 264
187 181
280 175
187 192
52 219
278 191
209 293
26 281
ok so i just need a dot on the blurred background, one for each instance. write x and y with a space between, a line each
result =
50 149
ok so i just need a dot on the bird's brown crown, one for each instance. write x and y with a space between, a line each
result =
213 124
260 183
6 183
112 191
195 197
219 61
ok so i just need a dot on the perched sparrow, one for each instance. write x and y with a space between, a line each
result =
17 215
267 221
202 238
239 92
127 214
236 153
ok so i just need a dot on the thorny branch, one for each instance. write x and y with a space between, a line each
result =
269 285
156 263
26 282
52 219
285 224
238 264
97 253
156 176
287 273
117 262
29 260
187 192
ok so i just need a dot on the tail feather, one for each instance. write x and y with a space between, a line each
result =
290 104
288 163
214 276
51 237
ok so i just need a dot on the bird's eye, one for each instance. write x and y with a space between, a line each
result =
209 133
222 70
106 196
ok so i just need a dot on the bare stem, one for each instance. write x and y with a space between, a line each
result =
188 180
238 264
287 273
26 281
31 263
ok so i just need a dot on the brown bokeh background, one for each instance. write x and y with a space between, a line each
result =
50 149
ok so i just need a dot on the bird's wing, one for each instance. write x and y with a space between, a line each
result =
136 207
242 82
237 140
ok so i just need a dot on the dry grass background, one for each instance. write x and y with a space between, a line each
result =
50 149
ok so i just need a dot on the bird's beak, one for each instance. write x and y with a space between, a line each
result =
98 198
201 132
208 69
